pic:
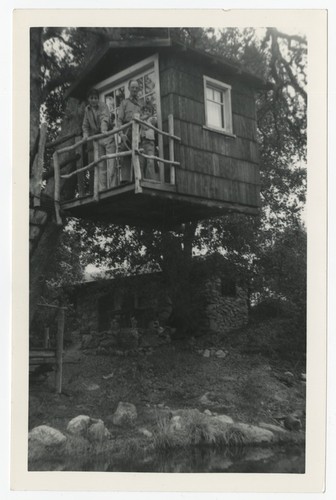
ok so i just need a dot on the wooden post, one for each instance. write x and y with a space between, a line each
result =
57 192
135 155
80 164
59 350
37 171
96 171
171 148
46 338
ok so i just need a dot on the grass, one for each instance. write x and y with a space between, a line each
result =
196 430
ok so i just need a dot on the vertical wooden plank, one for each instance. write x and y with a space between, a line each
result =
80 164
135 155
46 337
59 350
96 171
171 148
57 189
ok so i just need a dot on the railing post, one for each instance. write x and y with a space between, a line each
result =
96 171
59 350
171 148
80 164
57 189
135 156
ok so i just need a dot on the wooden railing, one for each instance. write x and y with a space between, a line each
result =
135 152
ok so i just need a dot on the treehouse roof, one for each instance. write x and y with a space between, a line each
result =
114 53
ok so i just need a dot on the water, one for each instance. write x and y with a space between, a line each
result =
290 460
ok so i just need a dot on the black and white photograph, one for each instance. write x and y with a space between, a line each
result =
168 249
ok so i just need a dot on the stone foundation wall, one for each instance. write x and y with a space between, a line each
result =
219 312
224 313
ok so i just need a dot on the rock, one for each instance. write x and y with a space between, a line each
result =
287 378
125 414
46 436
205 399
303 376
220 354
206 353
253 434
98 432
79 425
224 418
292 422
272 427
146 432
207 412
176 423
91 386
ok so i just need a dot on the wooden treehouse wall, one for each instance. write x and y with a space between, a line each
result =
213 166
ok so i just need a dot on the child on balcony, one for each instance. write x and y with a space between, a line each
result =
97 121
147 142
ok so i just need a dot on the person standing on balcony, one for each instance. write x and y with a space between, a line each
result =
128 108
97 121
147 142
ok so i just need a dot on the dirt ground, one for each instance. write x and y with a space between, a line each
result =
248 387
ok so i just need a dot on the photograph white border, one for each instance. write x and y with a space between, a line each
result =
314 25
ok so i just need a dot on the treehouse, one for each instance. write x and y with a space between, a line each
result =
205 155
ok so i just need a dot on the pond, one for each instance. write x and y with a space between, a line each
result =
289 459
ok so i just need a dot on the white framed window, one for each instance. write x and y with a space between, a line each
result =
114 90
217 101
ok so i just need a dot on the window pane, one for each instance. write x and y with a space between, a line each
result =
120 95
218 96
109 99
209 93
215 114
141 86
149 82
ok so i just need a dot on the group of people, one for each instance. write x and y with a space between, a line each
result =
97 120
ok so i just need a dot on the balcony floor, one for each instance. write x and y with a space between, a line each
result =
157 206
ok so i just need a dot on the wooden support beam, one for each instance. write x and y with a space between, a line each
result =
94 163
37 170
59 350
161 132
57 191
96 171
152 157
46 337
80 175
50 173
135 153
59 141
95 138
171 147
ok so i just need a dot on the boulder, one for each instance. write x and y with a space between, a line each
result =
46 436
254 434
125 414
220 354
225 419
91 386
98 432
272 427
206 353
79 425
145 432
